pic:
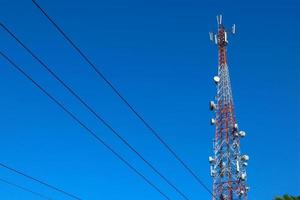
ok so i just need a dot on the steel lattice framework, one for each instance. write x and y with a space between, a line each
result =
228 166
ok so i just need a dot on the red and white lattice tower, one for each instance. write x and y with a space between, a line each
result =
228 166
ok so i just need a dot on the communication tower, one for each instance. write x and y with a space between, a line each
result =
227 165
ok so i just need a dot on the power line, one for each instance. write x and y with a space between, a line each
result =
98 72
83 126
24 189
31 177
67 87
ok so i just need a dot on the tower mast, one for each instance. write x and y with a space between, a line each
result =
227 165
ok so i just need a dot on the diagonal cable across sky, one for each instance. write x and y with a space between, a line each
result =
99 118
84 126
118 93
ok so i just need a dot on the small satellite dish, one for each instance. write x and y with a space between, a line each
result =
211 159
242 133
241 193
212 121
212 105
216 79
243 177
245 158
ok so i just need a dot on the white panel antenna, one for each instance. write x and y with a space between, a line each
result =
211 36
225 37
237 166
233 28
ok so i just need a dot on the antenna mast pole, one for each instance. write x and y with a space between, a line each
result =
227 165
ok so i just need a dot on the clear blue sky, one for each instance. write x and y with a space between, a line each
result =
159 56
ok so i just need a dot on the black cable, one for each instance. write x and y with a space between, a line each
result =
96 69
93 111
83 126
24 189
31 177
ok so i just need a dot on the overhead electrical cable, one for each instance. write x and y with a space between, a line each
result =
83 125
87 106
118 93
24 189
31 177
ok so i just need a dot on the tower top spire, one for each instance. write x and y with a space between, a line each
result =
219 20
221 37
